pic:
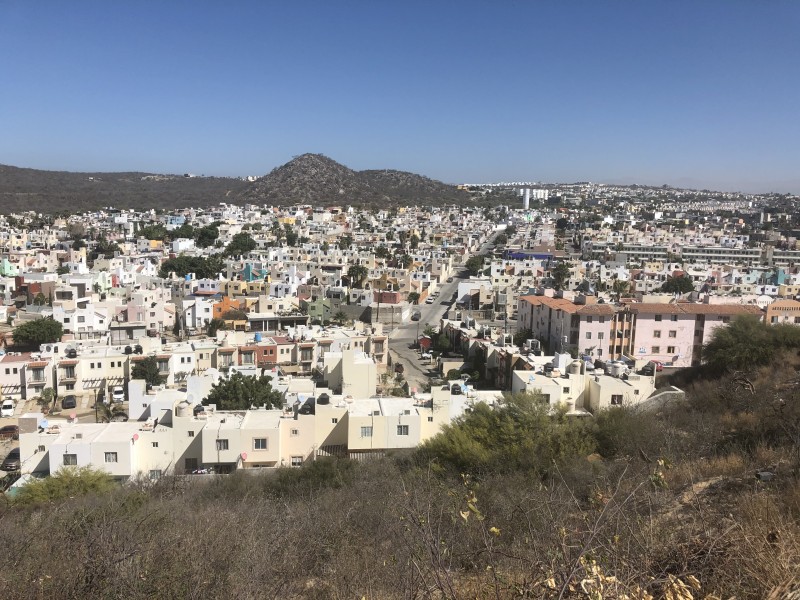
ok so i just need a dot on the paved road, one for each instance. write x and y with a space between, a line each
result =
416 370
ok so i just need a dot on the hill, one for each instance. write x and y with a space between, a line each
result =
55 191
307 179
315 179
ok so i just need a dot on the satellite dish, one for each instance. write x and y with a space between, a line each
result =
244 456
135 436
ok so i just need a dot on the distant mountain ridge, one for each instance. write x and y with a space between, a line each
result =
306 179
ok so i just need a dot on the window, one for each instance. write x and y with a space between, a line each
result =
655 350
673 318
616 399
366 431
670 349
260 444
402 430
222 445
191 433
190 464
70 387
91 365
297 461
294 432
70 460
600 335
155 444
155 474
602 319
588 335
334 420
588 319
658 317
657 333
66 319
430 419
81 319
111 457
673 334
565 390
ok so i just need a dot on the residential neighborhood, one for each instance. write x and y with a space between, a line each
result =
376 327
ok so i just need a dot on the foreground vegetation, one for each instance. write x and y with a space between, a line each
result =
697 500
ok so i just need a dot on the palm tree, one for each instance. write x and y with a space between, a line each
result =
110 412
340 317
357 274
405 261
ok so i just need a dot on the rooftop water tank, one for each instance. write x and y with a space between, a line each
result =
574 368
617 368
257 337
324 399
184 409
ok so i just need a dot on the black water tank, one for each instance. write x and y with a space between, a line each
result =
138 349
324 399
128 350
72 353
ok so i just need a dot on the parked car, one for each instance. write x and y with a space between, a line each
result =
658 365
449 280
9 432
426 355
12 462
118 394
415 315
7 408
429 300
68 402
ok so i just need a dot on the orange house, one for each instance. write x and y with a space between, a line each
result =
226 304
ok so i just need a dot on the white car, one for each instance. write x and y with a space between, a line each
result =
426 355
7 409
429 300
118 394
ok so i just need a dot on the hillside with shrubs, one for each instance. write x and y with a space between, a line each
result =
694 500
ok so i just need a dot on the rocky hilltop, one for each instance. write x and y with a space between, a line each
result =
317 179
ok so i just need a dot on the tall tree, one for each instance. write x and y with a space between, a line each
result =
357 274
240 244
560 274
33 334
147 369
242 392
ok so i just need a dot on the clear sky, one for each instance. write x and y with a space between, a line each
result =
695 94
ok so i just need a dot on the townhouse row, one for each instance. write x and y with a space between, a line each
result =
86 369
177 438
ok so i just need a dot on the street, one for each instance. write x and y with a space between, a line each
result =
404 336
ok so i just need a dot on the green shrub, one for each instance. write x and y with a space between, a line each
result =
67 483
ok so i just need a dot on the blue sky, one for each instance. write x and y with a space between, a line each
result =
695 94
